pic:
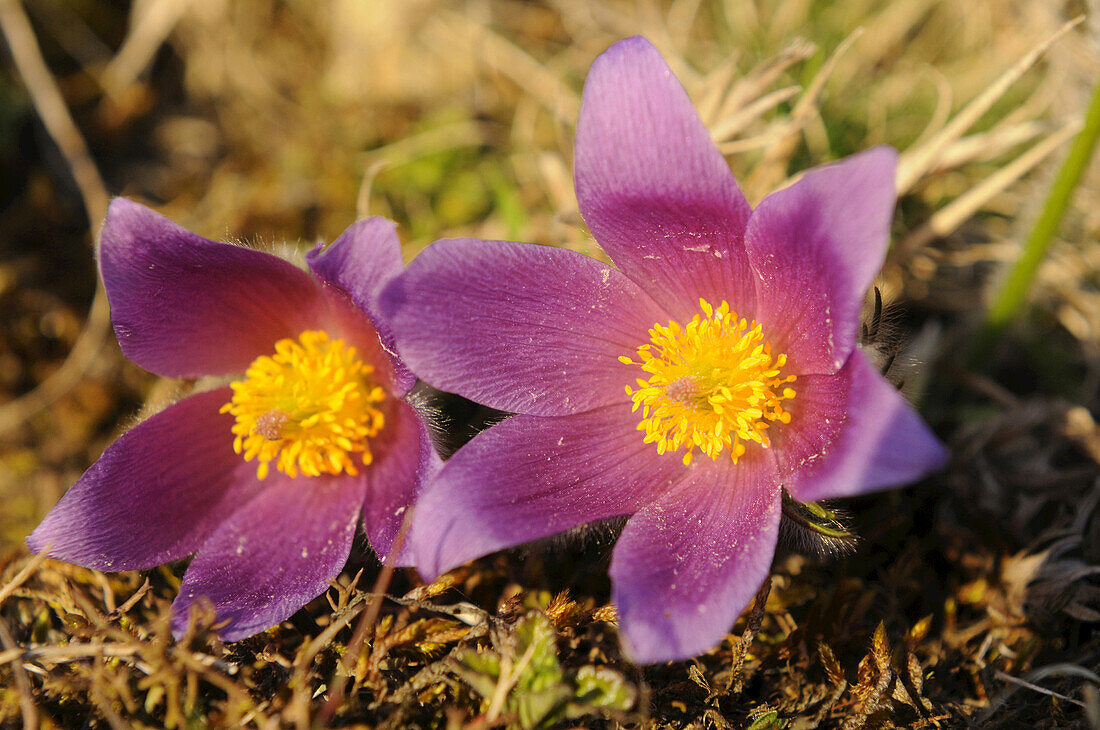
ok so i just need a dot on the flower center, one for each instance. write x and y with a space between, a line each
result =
310 408
713 385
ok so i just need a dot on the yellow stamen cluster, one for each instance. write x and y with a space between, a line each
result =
309 408
713 385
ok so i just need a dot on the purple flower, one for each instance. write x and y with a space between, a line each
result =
263 478
713 368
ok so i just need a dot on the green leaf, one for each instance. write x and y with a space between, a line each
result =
535 634
542 708
768 721
604 688
479 670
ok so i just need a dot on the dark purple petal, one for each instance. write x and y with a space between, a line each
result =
687 565
184 306
403 460
155 494
653 188
274 554
358 264
883 442
530 477
816 247
518 327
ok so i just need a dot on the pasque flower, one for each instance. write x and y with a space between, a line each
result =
266 476
713 367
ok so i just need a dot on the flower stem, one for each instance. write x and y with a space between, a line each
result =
1006 304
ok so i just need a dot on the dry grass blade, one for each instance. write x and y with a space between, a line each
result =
715 86
730 102
986 146
51 108
510 674
942 112
26 699
951 216
68 653
773 168
731 125
26 572
510 60
366 620
155 22
681 15
915 163
1036 688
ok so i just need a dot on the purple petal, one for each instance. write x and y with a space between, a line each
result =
360 261
653 188
882 443
530 477
358 264
518 327
686 566
403 460
818 413
816 247
155 494
273 555
184 306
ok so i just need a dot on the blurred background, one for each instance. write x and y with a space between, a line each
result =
268 122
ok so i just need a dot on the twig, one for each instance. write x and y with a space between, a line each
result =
22 682
50 105
70 652
1036 688
132 600
735 682
366 621
23 574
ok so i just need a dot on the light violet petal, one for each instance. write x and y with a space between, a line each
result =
518 327
274 554
403 459
882 443
687 565
184 306
155 494
816 248
530 477
358 264
654 189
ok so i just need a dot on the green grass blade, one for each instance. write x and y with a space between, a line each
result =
1010 298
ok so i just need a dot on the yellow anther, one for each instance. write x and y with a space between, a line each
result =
713 385
309 408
